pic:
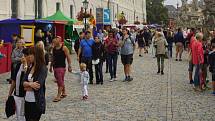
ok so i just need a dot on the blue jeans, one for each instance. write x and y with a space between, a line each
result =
197 75
170 51
112 62
98 72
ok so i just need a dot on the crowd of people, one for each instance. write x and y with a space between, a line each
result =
30 64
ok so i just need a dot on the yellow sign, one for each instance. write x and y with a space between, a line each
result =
27 32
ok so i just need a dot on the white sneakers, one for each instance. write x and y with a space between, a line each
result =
113 79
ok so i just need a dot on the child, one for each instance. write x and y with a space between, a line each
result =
212 65
84 80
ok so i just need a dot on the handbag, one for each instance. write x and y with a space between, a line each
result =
10 106
95 62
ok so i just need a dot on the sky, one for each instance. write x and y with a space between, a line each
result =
173 2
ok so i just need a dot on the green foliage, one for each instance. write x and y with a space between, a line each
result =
156 12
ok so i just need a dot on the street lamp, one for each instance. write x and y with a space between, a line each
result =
85 4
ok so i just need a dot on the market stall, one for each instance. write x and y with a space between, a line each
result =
61 22
25 28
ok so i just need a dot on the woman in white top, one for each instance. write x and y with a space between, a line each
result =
16 87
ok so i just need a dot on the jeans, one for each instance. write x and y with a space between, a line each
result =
107 64
170 51
99 73
112 61
20 105
88 62
160 62
197 75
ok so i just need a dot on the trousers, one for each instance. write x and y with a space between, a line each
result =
20 106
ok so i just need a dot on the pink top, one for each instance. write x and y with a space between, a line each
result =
197 52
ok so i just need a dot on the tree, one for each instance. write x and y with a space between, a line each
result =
156 12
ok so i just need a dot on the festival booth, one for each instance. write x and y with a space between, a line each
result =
62 26
25 28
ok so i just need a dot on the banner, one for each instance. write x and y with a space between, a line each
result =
99 16
106 15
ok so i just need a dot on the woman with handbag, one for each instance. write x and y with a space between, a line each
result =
160 45
16 87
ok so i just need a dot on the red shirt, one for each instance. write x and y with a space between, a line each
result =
111 46
197 53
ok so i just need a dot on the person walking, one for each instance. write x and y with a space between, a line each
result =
60 54
77 44
198 60
191 39
140 41
40 44
147 37
16 56
100 35
211 61
34 86
111 45
127 45
170 41
98 58
16 87
179 42
84 76
160 45
85 51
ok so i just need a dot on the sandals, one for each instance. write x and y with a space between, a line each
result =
63 96
56 100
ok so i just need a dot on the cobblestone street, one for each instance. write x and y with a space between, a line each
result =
149 97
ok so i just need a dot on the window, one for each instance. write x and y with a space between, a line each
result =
57 6
14 5
71 11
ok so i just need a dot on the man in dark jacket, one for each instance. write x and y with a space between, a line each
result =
98 58
179 42
77 42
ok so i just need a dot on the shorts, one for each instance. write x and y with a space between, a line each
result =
127 59
191 66
59 74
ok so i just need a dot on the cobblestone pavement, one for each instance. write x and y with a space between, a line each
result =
149 97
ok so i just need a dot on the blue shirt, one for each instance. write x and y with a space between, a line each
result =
86 47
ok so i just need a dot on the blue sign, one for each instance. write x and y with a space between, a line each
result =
106 15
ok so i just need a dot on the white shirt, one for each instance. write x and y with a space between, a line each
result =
30 97
85 77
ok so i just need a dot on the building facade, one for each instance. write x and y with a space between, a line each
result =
26 9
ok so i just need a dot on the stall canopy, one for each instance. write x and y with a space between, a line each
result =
60 17
11 26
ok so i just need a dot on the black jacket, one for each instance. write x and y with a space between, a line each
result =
22 78
40 94
211 61
77 45
98 51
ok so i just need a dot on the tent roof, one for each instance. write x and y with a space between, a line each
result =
19 21
59 16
